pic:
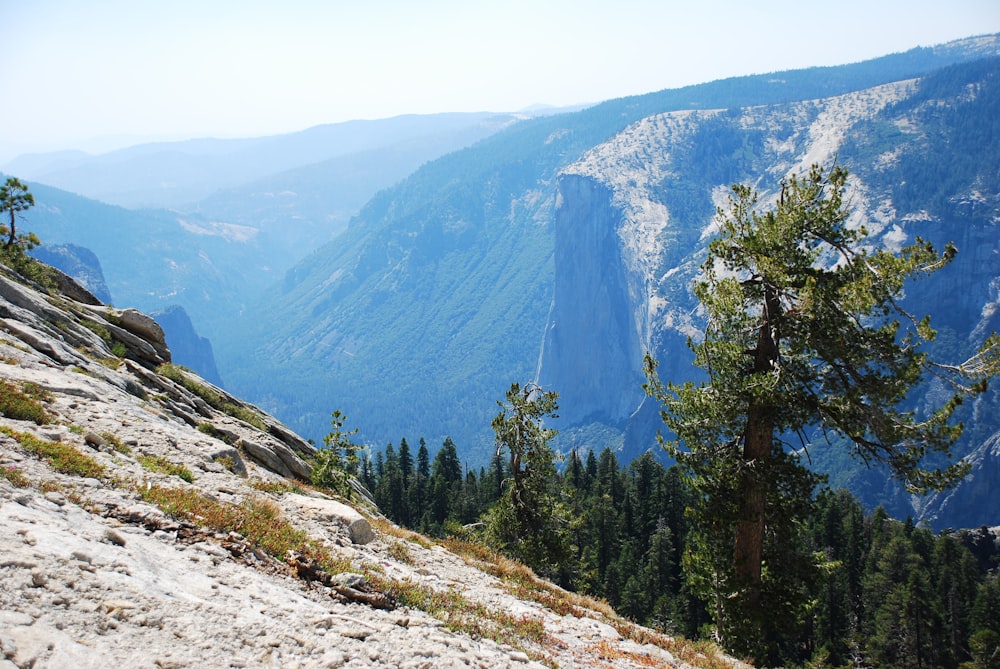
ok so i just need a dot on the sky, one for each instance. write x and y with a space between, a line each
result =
97 74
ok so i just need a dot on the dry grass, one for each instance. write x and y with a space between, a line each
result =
465 617
277 487
258 520
525 584
389 529
400 552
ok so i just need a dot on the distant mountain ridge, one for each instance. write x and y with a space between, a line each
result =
176 174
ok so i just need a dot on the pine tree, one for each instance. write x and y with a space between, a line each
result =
15 198
805 329
338 461
527 523
445 482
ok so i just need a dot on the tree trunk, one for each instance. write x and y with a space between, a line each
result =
748 549
11 233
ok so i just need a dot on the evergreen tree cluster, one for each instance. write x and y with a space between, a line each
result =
889 594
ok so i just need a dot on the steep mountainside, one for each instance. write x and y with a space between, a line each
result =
79 263
562 249
148 518
187 347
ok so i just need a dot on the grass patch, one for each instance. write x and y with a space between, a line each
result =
61 457
24 402
99 329
110 363
225 437
399 551
278 487
258 520
465 617
386 527
522 582
525 584
226 461
15 476
161 465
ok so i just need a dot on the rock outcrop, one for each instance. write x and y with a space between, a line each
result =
149 518
187 347
79 263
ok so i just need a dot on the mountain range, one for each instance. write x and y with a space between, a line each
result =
558 249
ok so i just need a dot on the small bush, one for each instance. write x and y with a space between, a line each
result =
24 402
99 329
117 444
15 476
161 465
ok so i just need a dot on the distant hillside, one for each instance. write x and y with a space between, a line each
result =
215 255
561 249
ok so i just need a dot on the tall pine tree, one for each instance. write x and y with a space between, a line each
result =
805 329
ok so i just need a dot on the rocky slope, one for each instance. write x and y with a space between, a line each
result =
149 519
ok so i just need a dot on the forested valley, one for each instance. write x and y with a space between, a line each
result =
891 594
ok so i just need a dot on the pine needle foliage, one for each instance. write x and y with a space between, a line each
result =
805 330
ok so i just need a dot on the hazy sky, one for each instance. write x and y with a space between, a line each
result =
84 69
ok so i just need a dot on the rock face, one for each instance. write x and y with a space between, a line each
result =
96 572
186 346
79 263
972 503
596 334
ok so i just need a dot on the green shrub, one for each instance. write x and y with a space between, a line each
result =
15 476
24 402
116 443
214 432
161 465
99 329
